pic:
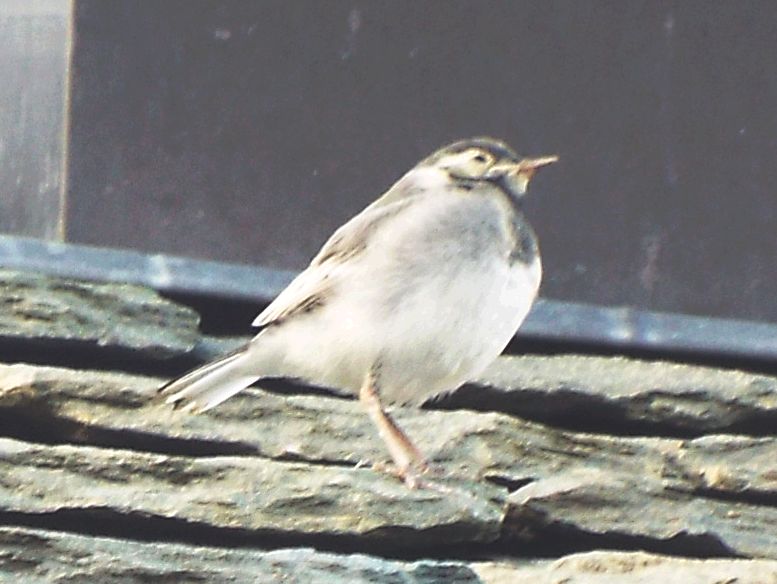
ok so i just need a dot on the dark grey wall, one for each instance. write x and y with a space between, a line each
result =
248 130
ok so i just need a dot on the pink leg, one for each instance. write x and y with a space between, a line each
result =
408 459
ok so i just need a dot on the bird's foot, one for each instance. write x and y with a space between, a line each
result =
415 475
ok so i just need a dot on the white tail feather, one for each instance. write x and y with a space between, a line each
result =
209 385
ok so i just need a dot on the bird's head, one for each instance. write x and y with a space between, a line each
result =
486 160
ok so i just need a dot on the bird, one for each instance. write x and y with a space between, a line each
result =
409 299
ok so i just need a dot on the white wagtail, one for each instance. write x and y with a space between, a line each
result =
412 297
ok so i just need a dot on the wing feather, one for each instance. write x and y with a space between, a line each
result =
310 289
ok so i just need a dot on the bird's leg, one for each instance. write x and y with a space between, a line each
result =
408 459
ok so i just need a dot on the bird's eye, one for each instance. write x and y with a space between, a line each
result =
468 164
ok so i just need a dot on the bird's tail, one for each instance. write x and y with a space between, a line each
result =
209 385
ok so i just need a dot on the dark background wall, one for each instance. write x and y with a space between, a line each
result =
248 130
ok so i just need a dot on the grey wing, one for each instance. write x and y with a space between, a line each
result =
351 238
310 289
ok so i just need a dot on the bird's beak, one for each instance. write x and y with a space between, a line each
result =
517 175
528 166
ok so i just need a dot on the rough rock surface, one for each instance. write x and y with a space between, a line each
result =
42 309
39 556
254 495
566 454
707 496
626 396
634 568
34 556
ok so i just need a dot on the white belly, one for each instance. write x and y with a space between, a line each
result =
472 323
441 336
